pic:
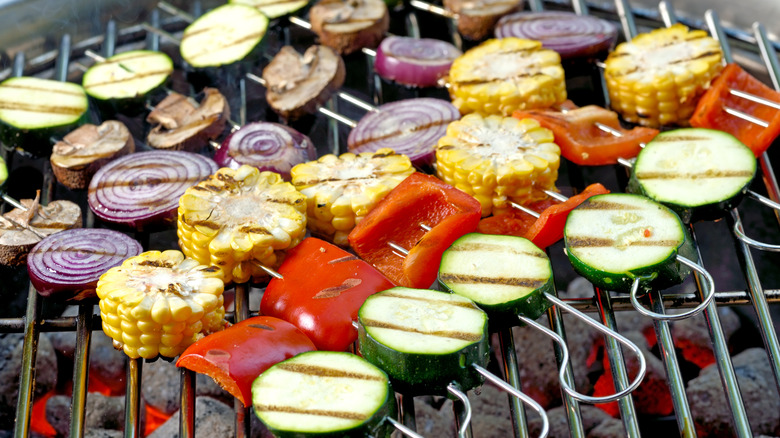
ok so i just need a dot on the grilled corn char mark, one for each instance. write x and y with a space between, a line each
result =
461 336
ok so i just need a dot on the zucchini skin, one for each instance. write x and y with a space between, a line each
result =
690 214
37 142
662 275
427 374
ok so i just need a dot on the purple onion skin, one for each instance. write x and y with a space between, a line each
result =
571 35
142 190
406 126
416 62
267 146
69 263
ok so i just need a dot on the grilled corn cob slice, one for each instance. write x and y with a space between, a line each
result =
240 219
498 159
657 78
341 190
503 75
160 303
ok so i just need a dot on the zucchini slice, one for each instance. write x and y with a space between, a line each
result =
504 275
614 238
225 35
33 110
123 81
274 8
424 339
699 173
323 393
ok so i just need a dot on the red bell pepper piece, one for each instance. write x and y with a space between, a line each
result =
419 200
513 222
234 357
582 142
548 228
321 292
711 112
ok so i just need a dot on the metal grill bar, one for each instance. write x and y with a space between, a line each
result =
743 250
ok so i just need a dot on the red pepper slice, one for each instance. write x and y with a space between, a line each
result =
548 228
322 291
235 356
711 112
582 142
513 222
419 200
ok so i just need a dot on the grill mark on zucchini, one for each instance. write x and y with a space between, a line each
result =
320 413
128 79
314 370
504 281
462 336
127 58
600 242
43 109
465 304
601 205
249 37
493 248
675 138
707 174
47 90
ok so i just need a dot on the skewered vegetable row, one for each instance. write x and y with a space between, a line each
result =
160 303
657 78
503 75
239 218
341 190
498 159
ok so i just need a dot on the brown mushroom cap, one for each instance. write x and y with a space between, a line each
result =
20 230
349 25
477 18
180 124
80 154
298 84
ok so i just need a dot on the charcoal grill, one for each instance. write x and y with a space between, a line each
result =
34 50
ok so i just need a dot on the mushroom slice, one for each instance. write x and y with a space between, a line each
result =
297 84
80 154
21 229
349 25
182 125
476 18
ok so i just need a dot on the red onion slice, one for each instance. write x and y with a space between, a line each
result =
417 62
267 146
411 127
569 34
72 261
143 189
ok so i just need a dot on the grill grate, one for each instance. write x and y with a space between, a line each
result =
604 303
